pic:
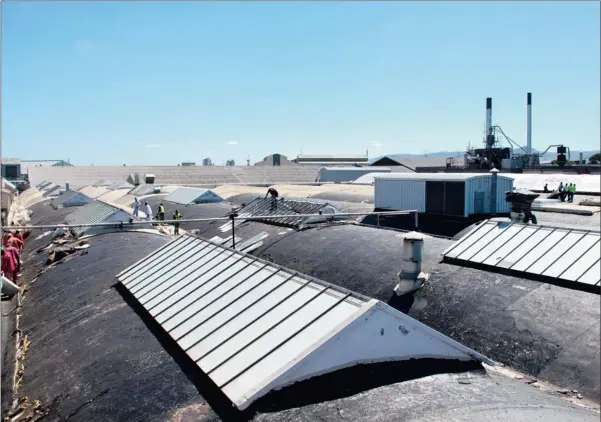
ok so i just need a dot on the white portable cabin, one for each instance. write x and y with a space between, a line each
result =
456 194
347 174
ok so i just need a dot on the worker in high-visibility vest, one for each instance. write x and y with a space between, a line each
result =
161 213
176 216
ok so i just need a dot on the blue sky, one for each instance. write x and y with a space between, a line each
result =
166 82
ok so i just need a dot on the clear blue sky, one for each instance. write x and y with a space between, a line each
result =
162 83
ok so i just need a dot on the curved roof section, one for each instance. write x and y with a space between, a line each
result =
547 331
93 358
446 177
186 196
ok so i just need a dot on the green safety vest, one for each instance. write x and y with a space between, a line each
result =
161 209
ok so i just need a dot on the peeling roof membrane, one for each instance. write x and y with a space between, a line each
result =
541 252
264 207
186 196
253 327
96 212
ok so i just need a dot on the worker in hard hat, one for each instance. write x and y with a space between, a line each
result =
176 216
161 213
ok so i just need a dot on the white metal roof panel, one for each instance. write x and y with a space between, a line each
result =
547 253
253 327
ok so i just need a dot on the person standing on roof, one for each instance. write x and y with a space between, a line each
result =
571 192
161 213
176 216
16 255
19 236
8 265
274 197
562 195
136 207
148 211
546 188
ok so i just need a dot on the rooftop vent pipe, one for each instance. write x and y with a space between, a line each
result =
411 276
529 123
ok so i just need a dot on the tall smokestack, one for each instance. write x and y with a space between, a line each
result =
529 123
488 116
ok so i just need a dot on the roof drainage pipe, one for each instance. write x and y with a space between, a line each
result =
411 276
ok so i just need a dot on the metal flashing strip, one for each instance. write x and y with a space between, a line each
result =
551 253
253 326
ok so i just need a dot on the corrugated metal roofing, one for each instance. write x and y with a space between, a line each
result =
187 196
451 177
253 327
94 212
539 252
264 207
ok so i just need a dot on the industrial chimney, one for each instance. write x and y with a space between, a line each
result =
411 276
488 117
529 123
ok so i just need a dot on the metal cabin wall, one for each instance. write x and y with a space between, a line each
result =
347 175
473 185
504 184
483 184
400 195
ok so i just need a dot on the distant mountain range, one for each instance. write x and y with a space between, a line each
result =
548 156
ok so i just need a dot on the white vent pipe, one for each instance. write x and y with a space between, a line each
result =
411 276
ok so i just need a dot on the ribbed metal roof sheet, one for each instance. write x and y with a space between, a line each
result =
94 212
264 207
544 253
253 327
450 177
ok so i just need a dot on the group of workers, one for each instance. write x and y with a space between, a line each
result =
566 191
12 246
160 213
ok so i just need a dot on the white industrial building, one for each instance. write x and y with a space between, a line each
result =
454 194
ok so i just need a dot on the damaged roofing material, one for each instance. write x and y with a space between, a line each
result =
187 196
550 254
253 327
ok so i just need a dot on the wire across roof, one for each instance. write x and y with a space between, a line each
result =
252 326
549 254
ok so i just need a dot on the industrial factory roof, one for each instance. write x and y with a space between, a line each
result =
207 176
95 354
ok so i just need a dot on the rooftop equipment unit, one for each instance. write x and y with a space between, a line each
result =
149 179
521 205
